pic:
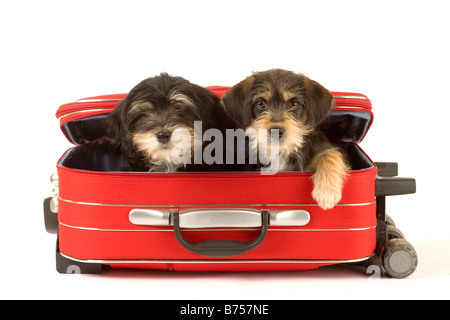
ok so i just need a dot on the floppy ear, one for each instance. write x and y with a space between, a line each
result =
116 122
238 104
319 102
208 105
116 125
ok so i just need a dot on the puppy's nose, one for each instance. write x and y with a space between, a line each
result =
281 131
163 136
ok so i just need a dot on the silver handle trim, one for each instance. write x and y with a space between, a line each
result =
219 218
147 217
289 218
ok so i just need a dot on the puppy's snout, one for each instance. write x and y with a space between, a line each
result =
163 136
277 129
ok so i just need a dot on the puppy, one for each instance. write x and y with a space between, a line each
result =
289 106
154 125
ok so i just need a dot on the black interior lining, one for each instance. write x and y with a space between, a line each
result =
341 126
106 158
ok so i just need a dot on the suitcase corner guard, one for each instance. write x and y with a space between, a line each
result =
212 218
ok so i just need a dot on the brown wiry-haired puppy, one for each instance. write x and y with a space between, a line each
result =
291 106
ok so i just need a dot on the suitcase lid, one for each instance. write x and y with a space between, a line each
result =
81 120
350 119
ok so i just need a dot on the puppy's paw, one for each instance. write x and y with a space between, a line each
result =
326 196
331 172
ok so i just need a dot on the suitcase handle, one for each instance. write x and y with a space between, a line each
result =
391 186
220 248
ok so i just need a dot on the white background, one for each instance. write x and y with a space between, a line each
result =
396 52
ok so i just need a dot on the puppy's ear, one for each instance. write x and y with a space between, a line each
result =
208 104
319 102
116 122
237 102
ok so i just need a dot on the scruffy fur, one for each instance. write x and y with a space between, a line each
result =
157 116
292 106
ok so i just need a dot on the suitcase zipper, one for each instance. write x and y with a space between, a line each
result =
94 105
107 103
345 100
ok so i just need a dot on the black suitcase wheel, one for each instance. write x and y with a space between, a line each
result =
389 221
399 258
50 217
394 233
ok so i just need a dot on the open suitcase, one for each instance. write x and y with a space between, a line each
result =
219 221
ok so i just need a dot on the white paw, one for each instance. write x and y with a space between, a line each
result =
326 198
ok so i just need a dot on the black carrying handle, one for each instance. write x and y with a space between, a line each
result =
388 184
391 186
221 248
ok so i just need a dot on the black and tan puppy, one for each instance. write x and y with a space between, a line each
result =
291 106
154 125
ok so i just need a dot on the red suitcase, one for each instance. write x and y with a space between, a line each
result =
241 221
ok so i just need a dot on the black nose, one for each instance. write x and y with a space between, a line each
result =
163 136
280 129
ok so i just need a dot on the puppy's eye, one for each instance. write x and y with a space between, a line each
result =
260 105
294 104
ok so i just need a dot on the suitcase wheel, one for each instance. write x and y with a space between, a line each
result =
394 233
399 258
389 221
50 216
